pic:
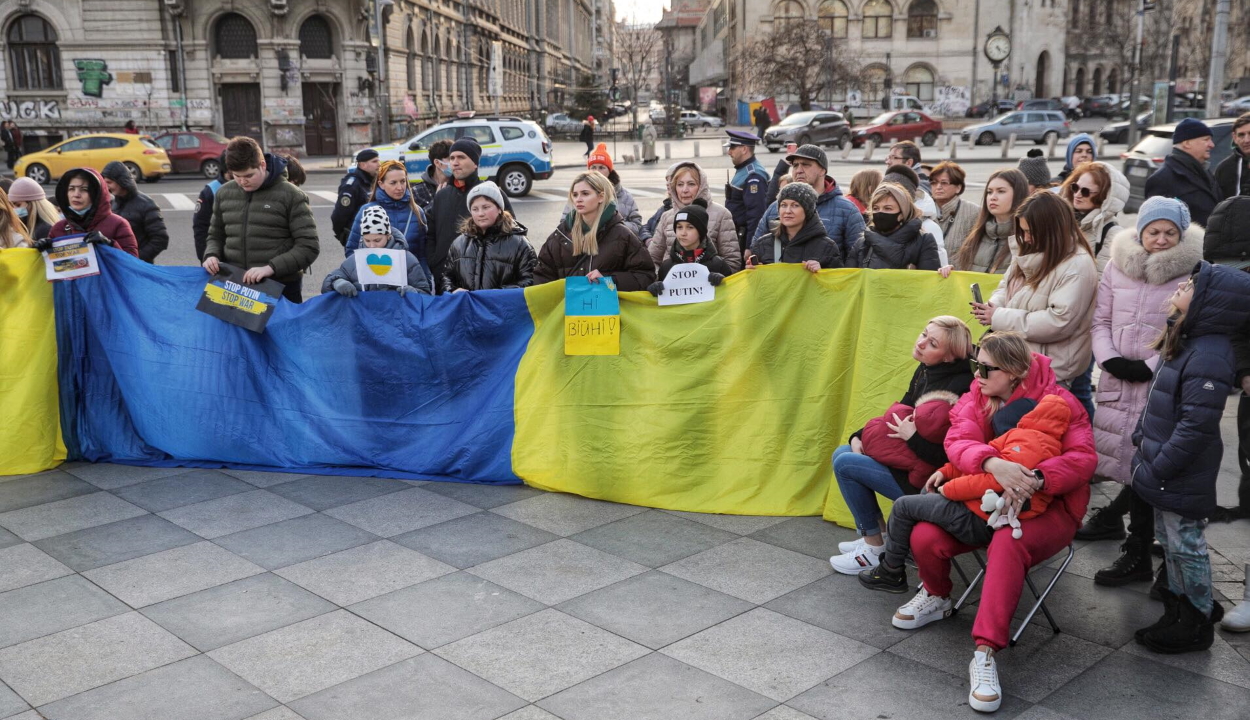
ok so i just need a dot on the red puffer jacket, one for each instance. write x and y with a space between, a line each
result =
932 415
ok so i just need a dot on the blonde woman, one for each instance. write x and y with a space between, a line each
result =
592 240
37 212
12 232
894 239
687 181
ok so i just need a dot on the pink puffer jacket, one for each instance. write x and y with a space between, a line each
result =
1132 310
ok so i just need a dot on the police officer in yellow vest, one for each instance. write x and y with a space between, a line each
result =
745 195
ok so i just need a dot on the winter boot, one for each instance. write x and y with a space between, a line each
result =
1133 565
1238 620
1192 630
1160 584
1104 524
884 577
1171 610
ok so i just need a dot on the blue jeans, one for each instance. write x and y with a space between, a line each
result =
1082 387
1185 554
861 479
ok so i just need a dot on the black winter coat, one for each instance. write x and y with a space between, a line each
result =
491 261
444 216
1233 174
1178 435
810 243
1227 243
621 255
140 211
355 191
906 246
1184 178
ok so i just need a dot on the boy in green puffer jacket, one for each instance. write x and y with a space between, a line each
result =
261 222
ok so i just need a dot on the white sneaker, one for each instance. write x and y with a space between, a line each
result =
852 563
922 610
1238 619
854 546
986 694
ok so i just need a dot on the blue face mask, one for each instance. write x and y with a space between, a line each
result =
85 210
22 212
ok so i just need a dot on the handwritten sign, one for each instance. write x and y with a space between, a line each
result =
592 317
687 284
379 266
226 297
70 258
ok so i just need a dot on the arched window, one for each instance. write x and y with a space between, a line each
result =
1096 88
786 13
878 19
922 19
235 38
1093 14
437 68
1113 81
427 65
1079 88
1041 82
919 82
833 17
315 41
410 66
34 59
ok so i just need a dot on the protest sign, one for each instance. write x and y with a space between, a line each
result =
687 284
227 297
70 258
592 317
379 266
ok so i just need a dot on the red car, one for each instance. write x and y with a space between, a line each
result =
197 151
899 125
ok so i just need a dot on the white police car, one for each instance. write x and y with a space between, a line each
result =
515 152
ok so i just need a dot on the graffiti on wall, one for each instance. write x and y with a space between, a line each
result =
30 110
949 101
94 75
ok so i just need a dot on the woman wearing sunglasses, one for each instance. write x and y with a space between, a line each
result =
1006 370
1048 292
1098 192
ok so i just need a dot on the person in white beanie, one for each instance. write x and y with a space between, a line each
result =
491 251
375 232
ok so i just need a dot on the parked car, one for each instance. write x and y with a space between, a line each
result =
1099 105
515 152
194 152
1149 153
988 109
694 118
819 127
1041 104
1030 125
1117 133
1122 109
145 159
619 110
562 123
899 126
1233 108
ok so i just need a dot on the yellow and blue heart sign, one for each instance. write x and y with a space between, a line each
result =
380 266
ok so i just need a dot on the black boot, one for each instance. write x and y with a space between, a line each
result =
1171 610
1133 565
1160 585
1192 630
1105 524
884 577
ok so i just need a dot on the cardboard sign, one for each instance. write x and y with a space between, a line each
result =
592 317
70 258
379 266
687 284
226 297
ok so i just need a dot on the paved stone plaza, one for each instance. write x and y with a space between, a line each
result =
172 594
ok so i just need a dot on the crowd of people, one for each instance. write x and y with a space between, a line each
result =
995 443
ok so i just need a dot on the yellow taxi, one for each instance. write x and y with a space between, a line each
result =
144 158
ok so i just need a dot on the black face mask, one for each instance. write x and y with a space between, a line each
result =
885 222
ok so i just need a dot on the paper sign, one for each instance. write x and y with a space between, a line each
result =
592 317
227 298
70 258
379 266
687 284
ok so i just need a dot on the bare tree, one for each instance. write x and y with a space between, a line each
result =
798 60
637 57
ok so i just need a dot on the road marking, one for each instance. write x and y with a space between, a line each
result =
646 193
178 201
548 195
324 195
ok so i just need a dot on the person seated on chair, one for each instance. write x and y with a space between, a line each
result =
1006 370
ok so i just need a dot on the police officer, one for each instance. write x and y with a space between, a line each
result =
354 192
746 194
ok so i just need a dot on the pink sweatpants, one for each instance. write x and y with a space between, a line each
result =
1006 565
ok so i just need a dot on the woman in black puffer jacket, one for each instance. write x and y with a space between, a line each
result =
491 251
893 239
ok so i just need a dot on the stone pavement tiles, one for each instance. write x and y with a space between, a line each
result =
158 594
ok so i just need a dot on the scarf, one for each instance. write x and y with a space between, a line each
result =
689 256
999 231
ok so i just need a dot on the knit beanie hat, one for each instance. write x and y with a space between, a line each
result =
469 147
1188 129
1035 168
375 221
26 190
488 190
600 157
696 214
1162 208
904 176
801 193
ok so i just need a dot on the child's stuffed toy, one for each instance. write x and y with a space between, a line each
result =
1001 513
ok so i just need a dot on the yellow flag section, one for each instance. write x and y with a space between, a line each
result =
732 406
31 438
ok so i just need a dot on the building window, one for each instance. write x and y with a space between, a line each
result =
922 19
410 66
314 39
833 17
919 82
1097 82
427 65
34 59
1076 13
1079 88
235 38
1113 81
878 19
787 13
175 78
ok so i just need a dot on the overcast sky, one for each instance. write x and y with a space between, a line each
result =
640 10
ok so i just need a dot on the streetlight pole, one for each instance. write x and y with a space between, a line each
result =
1136 84
1219 54
384 114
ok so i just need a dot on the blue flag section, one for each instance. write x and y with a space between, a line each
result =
374 385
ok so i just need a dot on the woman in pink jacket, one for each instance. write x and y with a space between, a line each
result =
1146 263
1005 370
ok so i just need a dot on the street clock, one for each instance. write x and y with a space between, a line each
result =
997 46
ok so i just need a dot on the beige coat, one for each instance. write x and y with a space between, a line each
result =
1098 226
720 224
1055 317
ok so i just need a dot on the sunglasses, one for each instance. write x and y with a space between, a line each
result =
980 368
1083 191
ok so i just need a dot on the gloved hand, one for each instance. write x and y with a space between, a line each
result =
715 278
1128 370
403 290
43 245
345 288
656 288
95 237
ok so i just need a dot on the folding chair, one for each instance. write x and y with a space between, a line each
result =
1041 597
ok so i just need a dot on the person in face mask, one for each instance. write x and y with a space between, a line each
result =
85 201
37 213
12 231
894 239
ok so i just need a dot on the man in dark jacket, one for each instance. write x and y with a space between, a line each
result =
762 120
587 135
450 205
355 190
1233 174
204 206
433 179
843 223
261 222
138 209
1184 174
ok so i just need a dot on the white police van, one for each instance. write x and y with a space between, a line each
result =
515 152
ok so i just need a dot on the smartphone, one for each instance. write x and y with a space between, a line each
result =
976 293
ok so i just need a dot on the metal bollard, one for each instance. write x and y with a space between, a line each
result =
941 142
1011 142
637 152
1050 147
668 151
696 148
846 149
1005 148
868 148
1102 142
954 148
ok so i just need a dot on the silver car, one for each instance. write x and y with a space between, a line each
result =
1036 125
